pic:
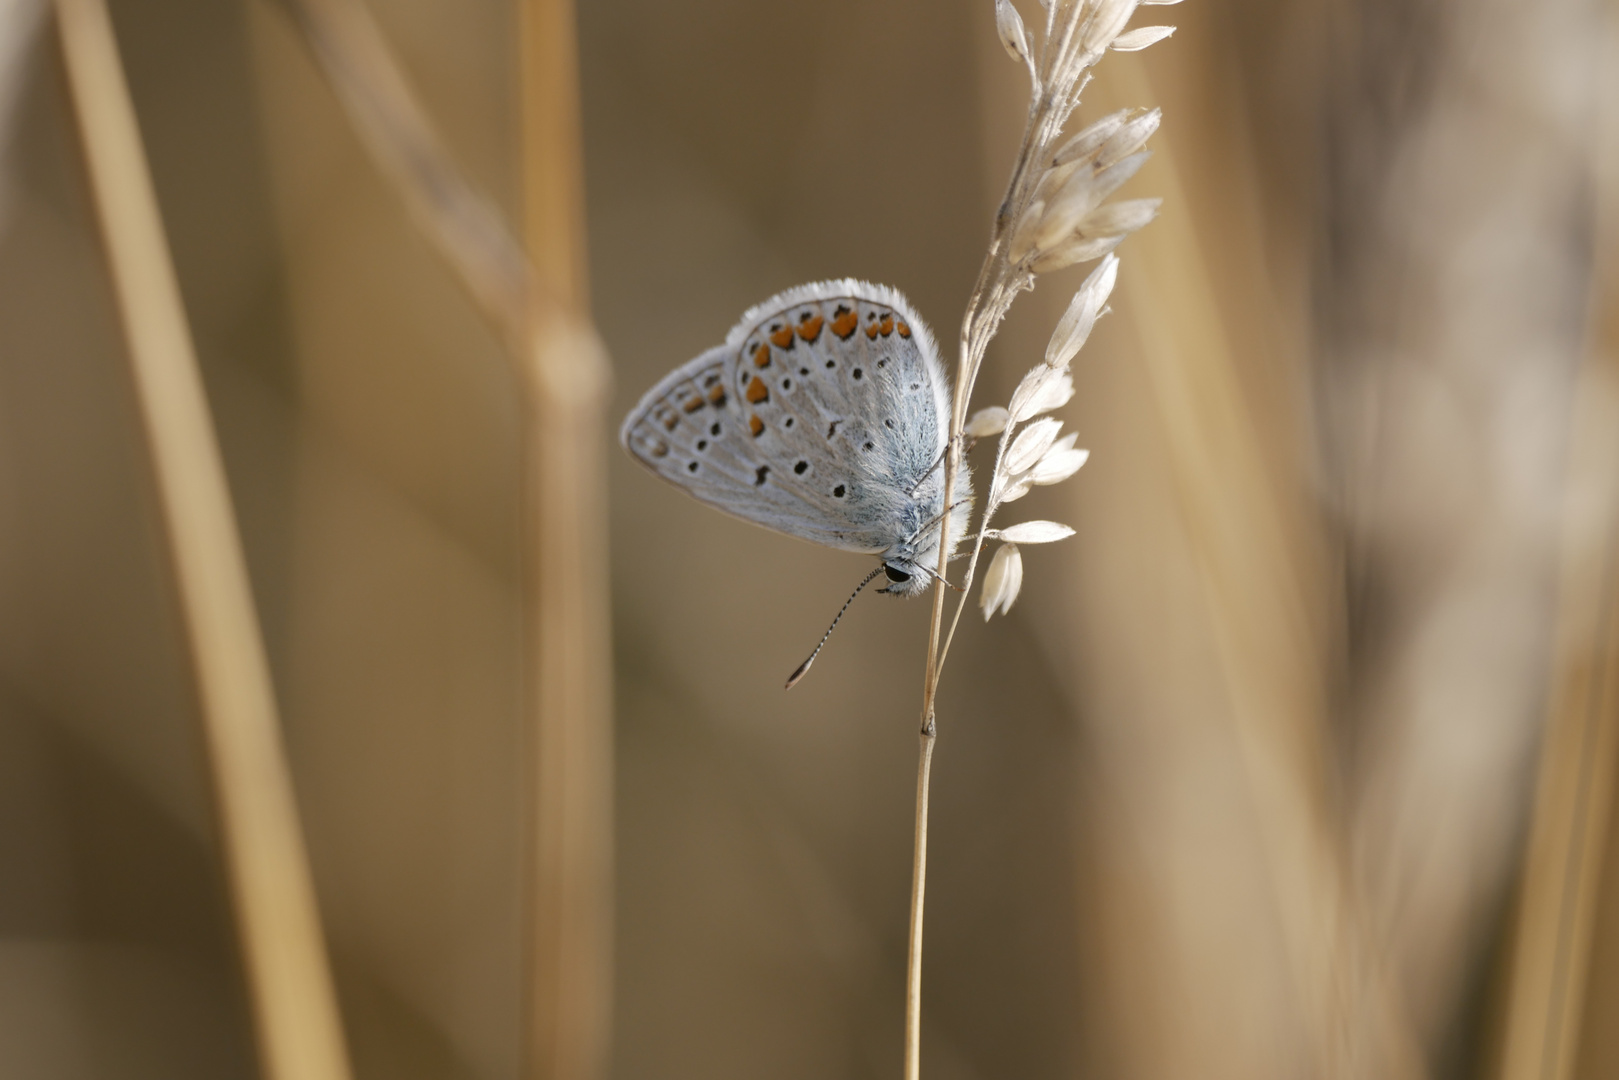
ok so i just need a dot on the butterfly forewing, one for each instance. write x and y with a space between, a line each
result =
818 418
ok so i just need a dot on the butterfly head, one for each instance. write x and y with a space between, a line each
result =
905 578
912 564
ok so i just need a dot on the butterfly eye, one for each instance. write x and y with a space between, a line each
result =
896 576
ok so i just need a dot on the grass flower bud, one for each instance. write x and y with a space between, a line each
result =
1108 18
1055 389
1002 581
1077 250
1030 445
1029 390
1130 137
1033 532
1121 218
1058 465
987 422
1023 234
1091 139
1009 24
1053 179
1054 395
1115 173
1019 487
1083 193
1138 39
1071 205
1083 310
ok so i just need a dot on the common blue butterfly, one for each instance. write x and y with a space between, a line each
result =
825 416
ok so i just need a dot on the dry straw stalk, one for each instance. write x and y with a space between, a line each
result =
1574 798
294 1007
1560 893
1055 213
570 786
539 307
1252 566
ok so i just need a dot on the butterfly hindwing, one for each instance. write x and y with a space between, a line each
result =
819 417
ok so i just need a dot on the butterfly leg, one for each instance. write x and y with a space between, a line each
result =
968 442
948 583
938 517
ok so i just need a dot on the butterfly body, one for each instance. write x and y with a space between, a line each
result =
825 416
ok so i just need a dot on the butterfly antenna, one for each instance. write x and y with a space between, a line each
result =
805 666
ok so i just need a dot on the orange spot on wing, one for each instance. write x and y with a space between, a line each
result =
904 330
761 356
756 425
783 338
661 450
670 419
717 396
810 328
694 403
845 322
887 326
757 391
872 329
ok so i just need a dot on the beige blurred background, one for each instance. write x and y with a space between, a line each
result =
1242 788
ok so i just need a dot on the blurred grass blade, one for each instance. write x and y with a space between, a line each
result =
18 22
1258 566
538 300
1561 892
553 161
568 1014
295 1009
1574 797
463 226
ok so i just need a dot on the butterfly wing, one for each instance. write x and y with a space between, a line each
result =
823 416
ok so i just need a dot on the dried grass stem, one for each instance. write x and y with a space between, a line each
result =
562 371
294 1007
1077 32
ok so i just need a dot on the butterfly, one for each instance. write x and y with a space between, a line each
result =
825 416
